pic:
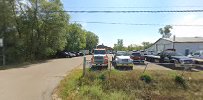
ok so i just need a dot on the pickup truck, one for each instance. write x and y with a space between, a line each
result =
99 58
122 59
197 57
170 56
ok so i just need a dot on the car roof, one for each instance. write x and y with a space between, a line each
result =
136 52
99 49
120 51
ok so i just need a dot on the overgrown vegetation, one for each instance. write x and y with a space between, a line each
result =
37 29
146 78
158 85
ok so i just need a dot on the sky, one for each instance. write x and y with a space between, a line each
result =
131 34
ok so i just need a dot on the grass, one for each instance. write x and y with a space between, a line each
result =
100 85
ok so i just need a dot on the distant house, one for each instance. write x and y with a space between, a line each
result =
183 45
109 49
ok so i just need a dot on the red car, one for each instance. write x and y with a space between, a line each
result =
137 57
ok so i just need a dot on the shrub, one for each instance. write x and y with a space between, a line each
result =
102 77
180 80
146 78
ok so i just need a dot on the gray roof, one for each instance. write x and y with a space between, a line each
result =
186 39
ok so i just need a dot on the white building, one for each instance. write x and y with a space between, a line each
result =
183 45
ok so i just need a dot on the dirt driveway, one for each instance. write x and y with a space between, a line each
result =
37 81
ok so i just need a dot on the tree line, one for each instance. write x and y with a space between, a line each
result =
31 31
120 47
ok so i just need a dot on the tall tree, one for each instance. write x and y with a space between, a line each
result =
76 37
165 32
119 46
31 30
91 40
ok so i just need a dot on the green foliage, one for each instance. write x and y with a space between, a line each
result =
102 77
127 85
91 40
146 45
146 78
180 80
119 46
165 32
76 38
32 32
134 47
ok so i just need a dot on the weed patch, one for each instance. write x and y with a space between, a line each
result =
99 85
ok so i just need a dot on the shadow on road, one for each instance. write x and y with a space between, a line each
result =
172 66
22 65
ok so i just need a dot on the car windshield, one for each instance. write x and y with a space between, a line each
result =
99 52
171 53
122 54
136 54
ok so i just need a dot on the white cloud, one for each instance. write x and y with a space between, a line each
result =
188 31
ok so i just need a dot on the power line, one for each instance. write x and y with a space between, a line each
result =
135 11
145 7
138 24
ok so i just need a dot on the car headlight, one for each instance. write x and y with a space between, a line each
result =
117 60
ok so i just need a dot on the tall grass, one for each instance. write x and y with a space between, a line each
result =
100 85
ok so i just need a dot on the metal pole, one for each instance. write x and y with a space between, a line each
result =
84 64
110 69
4 57
145 67
4 28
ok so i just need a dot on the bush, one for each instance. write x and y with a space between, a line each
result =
180 80
146 78
102 77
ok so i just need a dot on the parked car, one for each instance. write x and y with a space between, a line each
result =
99 58
80 54
74 54
178 59
143 52
150 53
197 57
63 54
86 52
122 59
137 57
198 54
